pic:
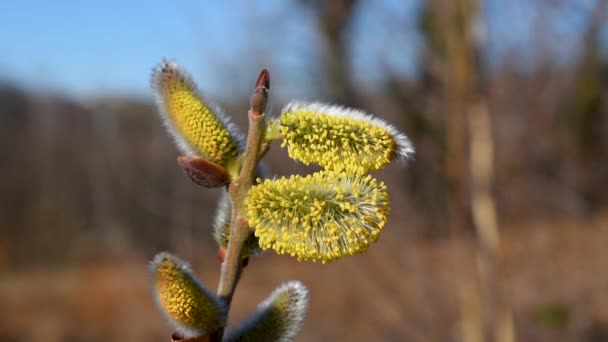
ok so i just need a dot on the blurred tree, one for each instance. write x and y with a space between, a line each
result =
335 20
586 123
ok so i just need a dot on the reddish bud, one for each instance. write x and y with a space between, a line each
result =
263 79
204 172
221 254
259 98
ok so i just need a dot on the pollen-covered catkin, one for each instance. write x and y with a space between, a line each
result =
193 309
338 138
197 127
322 216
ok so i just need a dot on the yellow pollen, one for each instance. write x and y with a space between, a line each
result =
322 216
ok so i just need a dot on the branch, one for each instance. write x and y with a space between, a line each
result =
238 189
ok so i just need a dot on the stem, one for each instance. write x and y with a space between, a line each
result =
239 228
237 191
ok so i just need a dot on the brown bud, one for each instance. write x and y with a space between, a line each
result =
204 172
221 254
263 79
259 98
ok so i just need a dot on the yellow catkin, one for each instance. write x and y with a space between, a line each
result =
332 138
192 308
323 216
277 318
190 118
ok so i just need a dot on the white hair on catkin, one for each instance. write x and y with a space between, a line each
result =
184 266
299 300
292 319
156 79
222 218
405 148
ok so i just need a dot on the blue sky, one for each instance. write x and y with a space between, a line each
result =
88 46
92 47
110 46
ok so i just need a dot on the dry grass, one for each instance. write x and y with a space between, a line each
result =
399 290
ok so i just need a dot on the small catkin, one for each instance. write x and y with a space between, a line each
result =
197 128
339 138
278 318
189 306
221 229
322 216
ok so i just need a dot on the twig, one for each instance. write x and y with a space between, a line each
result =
238 189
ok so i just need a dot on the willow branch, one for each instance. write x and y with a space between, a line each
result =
238 189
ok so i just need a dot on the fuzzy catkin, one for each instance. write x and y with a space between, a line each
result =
221 229
340 139
192 308
197 127
277 319
322 216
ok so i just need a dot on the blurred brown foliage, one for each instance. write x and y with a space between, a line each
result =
92 183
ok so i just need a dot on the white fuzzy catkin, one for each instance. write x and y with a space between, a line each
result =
278 318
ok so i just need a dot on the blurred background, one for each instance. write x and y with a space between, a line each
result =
499 226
